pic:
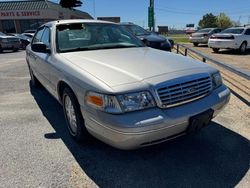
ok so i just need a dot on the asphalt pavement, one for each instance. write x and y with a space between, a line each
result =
37 151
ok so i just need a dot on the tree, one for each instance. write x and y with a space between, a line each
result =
70 3
208 20
223 21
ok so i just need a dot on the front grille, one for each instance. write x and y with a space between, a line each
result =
184 92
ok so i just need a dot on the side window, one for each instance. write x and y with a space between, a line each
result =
247 32
217 31
37 37
46 37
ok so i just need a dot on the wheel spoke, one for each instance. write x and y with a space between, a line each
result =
70 113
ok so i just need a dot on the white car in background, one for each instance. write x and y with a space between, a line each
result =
231 38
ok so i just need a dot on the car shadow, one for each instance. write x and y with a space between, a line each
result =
216 157
232 52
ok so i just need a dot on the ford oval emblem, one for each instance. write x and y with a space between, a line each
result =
191 90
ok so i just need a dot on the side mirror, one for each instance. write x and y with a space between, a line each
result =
40 47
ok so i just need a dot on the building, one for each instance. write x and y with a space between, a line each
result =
162 30
18 16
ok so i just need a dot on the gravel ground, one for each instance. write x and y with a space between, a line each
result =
36 150
231 57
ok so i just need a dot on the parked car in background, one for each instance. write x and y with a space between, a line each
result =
24 39
9 42
122 92
32 31
149 38
30 35
201 36
231 38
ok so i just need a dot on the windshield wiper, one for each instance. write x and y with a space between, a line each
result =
97 48
117 46
76 49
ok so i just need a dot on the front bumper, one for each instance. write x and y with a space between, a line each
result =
152 126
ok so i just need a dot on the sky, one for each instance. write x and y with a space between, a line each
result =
174 13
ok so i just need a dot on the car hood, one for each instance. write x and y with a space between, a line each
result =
116 67
152 38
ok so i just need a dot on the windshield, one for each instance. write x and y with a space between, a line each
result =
233 31
93 36
204 31
137 30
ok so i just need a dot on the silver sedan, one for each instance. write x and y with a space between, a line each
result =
124 93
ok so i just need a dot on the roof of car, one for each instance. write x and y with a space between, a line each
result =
77 21
240 27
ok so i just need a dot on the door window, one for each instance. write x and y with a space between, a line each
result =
46 37
38 35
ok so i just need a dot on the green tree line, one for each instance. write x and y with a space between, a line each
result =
221 21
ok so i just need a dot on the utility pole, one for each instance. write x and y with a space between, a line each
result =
151 16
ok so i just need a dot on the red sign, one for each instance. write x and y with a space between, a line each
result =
20 14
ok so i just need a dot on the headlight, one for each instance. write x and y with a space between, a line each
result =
120 103
136 101
217 80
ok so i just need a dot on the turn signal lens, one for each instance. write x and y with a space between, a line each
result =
106 103
96 100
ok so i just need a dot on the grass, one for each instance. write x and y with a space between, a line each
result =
179 38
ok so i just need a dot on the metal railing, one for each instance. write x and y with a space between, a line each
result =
205 58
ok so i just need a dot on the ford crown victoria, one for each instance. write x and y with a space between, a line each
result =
115 88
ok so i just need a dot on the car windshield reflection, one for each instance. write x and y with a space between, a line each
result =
91 36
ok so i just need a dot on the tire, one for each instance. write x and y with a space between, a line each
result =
243 47
1 50
15 49
73 116
195 44
33 80
216 50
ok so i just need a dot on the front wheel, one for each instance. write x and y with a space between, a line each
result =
15 49
33 80
216 50
73 116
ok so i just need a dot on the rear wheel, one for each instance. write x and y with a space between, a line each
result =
243 47
216 50
195 44
73 116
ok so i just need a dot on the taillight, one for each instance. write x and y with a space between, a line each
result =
213 37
